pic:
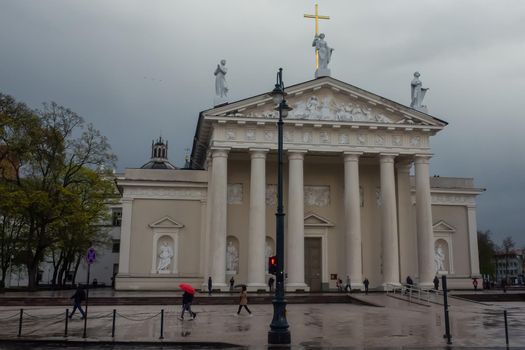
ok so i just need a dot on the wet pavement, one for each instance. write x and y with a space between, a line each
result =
396 325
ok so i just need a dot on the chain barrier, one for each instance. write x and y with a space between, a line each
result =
45 317
135 319
9 317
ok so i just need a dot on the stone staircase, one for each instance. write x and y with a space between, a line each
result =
224 299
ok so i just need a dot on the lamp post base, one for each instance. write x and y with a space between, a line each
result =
279 337
279 332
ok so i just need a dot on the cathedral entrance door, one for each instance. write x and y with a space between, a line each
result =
313 263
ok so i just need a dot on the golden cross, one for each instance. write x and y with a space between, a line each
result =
317 18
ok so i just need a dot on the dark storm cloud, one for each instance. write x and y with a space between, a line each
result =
140 68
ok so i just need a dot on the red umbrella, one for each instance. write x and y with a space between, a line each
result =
187 288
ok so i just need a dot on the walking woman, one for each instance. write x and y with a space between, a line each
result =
243 301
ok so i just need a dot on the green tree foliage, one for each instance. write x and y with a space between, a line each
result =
486 249
50 179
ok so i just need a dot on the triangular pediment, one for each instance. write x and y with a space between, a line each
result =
166 222
442 227
314 220
329 100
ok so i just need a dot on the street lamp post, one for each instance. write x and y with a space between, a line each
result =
279 332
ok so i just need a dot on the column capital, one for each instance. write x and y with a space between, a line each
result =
258 153
220 152
422 158
296 154
404 165
351 156
387 157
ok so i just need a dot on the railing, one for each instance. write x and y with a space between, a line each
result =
413 293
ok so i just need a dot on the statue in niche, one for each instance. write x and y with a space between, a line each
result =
221 89
325 52
268 252
165 255
232 258
439 258
417 93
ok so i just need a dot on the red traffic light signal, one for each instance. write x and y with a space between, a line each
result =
272 265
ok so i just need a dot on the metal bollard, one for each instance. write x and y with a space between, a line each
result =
113 326
20 322
65 327
506 329
161 324
445 306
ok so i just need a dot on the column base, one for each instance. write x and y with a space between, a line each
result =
254 287
293 287
223 287
359 286
389 285
426 285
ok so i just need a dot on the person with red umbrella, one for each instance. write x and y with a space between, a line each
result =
187 299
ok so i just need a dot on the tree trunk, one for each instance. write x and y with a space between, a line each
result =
56 266
32 276
77 264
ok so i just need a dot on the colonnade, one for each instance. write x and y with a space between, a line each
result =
295 217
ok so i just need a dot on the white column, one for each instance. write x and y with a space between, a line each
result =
125 237
257 221
295 234
473 240
389 220
425 236
218 217
353 220
407 234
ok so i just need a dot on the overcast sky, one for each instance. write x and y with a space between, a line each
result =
136 69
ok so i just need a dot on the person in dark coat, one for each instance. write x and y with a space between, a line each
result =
232 282
366 282
409 284
475 283
270 283
436 282
187 299
78 298
210 285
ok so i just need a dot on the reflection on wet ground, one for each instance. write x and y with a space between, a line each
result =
397 325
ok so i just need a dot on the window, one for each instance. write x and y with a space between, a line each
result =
116 246
116 216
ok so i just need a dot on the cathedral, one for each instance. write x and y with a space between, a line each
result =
358 197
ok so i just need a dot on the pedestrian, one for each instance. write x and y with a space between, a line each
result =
339 285
232 282
366 282
348 286
187 299
210 285
436 283
78 298
270 283
475 283
504 285
409 284
243 301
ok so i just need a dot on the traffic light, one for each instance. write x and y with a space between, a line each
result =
272 265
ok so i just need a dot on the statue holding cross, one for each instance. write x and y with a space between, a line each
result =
323 52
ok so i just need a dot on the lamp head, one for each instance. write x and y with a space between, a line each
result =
277 94
284 108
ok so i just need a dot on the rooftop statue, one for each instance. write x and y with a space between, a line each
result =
221 89
417 94
325 54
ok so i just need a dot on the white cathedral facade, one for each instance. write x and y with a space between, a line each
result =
352 206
